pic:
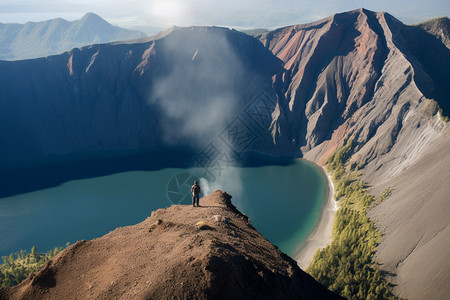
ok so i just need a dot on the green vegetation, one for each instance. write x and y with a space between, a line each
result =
438 109
16 267
336 160
386 193
443 116
443 21
347 266
202 225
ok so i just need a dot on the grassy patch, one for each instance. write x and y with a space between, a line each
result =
202 225
443 116
347 266
17 266
386 193
337 159
443 21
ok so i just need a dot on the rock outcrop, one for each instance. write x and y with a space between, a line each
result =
181 252
440 28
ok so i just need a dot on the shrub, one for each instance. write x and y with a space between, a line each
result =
202 225
14 270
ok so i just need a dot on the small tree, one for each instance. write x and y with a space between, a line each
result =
33 252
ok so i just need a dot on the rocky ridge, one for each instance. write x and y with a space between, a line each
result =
439 27
172 255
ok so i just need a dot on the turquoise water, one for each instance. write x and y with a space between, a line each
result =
283 203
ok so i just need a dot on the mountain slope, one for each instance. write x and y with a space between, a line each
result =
111 99
128 96
439 27
415 222
367 76
345 75
169 256
37 39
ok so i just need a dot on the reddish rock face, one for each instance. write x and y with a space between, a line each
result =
352 75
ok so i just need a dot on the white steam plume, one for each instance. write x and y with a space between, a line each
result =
197 91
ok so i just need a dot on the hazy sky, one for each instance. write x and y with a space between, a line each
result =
158 14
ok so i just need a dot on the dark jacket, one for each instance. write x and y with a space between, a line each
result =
195 189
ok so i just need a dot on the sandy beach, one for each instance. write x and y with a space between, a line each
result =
322 233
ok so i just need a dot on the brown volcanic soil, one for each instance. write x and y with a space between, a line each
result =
168 256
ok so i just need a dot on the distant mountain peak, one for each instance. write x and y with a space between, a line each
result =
38 39
92 17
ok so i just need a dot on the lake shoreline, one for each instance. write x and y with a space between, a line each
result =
321 236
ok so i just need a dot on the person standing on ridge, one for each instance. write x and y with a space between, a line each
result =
195 191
